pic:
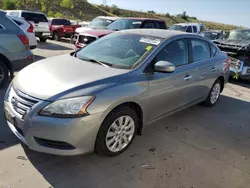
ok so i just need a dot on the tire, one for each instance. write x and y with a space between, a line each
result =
214 92
4 74
42 39
56 36
117 138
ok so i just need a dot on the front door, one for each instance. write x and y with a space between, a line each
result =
172 91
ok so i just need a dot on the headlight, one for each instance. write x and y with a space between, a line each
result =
73 107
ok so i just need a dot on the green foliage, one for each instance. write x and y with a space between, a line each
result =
67 4
115 10
50 14
80 13
151 12
58 15
9 4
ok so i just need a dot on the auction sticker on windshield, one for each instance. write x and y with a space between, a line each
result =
150 41
136 22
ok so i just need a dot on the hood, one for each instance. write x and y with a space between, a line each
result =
55 75
99 32
82 29
233 42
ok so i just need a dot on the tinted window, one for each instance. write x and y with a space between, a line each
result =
60 22
34 17
124 24
100 23
194 29
160 25
189 29
200 50
149 25
1 27
213 50
17 22
176 52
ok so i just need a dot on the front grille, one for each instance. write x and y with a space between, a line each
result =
54 144
86 39
21 103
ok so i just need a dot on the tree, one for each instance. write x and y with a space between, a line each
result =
115 10
9 4
50 14
184 15
66 4
151 12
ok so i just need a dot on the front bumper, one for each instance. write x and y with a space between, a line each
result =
59 136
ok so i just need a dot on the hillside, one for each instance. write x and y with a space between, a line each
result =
82 10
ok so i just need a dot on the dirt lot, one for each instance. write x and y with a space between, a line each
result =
196 148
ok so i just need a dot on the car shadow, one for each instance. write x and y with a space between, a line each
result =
38 58
53 46
243 83
159 151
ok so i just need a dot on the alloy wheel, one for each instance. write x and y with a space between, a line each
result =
215 93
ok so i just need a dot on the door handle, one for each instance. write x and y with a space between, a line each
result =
188 77
213 69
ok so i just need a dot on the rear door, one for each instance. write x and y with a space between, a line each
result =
39 21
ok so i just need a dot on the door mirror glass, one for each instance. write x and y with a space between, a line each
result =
164 66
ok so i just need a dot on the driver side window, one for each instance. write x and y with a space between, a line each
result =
176 52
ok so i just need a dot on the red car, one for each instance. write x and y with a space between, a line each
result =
90 36
61 28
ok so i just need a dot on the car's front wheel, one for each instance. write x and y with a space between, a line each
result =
214 94
4 74
117 132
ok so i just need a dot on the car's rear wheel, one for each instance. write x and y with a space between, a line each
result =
56 36
214 94
117 132
42 39
4 74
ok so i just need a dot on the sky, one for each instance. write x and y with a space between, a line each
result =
236 12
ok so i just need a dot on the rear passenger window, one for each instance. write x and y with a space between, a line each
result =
17 22
149 25
176 52
213 51
1 27
34 17
200 49
189 29
194 29
160 25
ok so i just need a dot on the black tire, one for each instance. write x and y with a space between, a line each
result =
5 73
56 36
208 102
100 145
42 39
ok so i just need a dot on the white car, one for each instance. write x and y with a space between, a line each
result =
38 19
194 28
28 28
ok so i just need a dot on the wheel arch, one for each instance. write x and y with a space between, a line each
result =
222 80
7 63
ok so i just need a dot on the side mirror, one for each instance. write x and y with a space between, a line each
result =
164 66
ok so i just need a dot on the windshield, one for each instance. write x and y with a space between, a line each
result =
61 22
211 35
124 24
134 49
239 35
100 23
178 28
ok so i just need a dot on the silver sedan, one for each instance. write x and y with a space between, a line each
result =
99 98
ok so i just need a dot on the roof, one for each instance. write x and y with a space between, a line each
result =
186 24
24 11
161 33
142 19
108 17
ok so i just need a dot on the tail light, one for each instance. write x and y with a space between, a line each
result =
31 28
24 40
227 64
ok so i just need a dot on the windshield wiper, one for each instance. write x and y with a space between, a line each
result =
105 64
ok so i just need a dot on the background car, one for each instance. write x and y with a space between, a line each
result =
195 28
28 28
112 89
60 27
14 48
38 19
89 36
212 34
